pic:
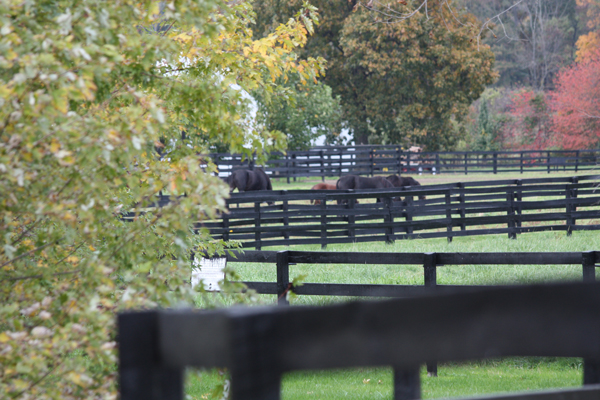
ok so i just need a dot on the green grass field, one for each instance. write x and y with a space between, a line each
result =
429 179
455 379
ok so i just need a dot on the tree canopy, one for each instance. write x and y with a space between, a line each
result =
304 112
400 81
89 91
531 39
576 104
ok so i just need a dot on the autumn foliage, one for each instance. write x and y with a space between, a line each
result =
566 118
528 126
576 105
88 91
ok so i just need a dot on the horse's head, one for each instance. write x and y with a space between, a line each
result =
395 180
229 181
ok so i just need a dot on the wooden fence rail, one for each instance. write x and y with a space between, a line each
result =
384 160
259 345
429 261
509 207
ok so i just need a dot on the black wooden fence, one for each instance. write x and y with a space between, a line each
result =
452 210
259 345
429 261
330 161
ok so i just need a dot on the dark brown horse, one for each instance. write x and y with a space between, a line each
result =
399 181
246 180
362 182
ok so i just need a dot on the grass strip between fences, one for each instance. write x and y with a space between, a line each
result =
429 261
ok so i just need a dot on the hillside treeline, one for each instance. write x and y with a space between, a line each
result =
465 75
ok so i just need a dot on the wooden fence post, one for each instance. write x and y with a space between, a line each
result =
588 262
351 218
495 163
409 215
372 161
294 166
591 367
407 384
569 208
510 212
466 164
257 243
437 164
324 223
286 218
287 166
574 195
398 162
449 216
521 162
226 221
519 209
548 160
389 218
461 187
430 281
322 165
576 160
139 375
283 277
341 161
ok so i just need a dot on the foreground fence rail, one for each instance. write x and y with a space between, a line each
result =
259 345
329 161
509 207
430 262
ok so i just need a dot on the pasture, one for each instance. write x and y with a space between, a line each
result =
429 179
511 206
455 379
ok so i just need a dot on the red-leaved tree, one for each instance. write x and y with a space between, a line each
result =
529 122
576 105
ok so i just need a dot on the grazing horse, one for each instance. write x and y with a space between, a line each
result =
321 186
361 182
246 180
399 181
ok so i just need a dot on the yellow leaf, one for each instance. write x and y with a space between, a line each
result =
75 378
154 9
69 217
20 384
61 102
4 337
54 146
184 37
11 55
